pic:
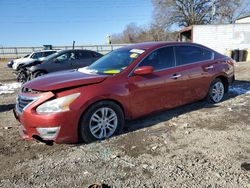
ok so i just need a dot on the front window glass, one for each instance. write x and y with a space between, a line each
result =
114 62
65 56
160 59
62 57
36 55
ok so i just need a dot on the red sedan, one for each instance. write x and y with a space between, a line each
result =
92 103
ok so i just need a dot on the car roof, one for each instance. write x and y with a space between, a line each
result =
73 50
45 51
152 45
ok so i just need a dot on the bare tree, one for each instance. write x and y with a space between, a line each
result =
193 12
230 10
129 35
183 12
133 33
178 13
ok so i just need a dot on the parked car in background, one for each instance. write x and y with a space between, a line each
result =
29 58
61 60
92 103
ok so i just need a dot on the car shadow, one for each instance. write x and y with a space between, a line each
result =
159 117
6 107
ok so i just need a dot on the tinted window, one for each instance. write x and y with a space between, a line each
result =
84 55
36 55
160 59
66 57
95 54
48 53
191 54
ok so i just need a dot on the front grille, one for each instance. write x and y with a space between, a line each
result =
23 102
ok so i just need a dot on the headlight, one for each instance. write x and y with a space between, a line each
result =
57 105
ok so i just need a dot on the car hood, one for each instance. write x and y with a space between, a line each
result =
63 80
23 60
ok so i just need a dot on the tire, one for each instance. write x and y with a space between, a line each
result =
216 91
22 76
95 123
39 73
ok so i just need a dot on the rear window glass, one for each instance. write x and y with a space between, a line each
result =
191 54
95 54
84 54
48 53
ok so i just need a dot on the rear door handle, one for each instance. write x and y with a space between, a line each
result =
175 76
209 67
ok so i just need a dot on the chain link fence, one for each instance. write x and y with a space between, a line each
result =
16 52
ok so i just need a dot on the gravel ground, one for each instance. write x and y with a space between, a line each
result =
196 145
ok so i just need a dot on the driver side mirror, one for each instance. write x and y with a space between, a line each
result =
144 70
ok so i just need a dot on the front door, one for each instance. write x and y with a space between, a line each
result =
161 90
62 62
84 58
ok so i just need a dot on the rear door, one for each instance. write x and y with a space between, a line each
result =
196 63
160 90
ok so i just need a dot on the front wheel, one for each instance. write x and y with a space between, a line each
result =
216 91
102 120
22 76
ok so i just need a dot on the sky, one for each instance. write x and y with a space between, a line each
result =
60 22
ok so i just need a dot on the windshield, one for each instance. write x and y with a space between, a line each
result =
26 55
114 62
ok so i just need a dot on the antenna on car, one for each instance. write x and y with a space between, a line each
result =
74 45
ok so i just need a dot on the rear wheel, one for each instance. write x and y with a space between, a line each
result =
102 120
216 91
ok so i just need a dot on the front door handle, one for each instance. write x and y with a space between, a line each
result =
209 67
175 76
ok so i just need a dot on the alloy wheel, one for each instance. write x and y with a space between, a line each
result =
103 123
218 91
